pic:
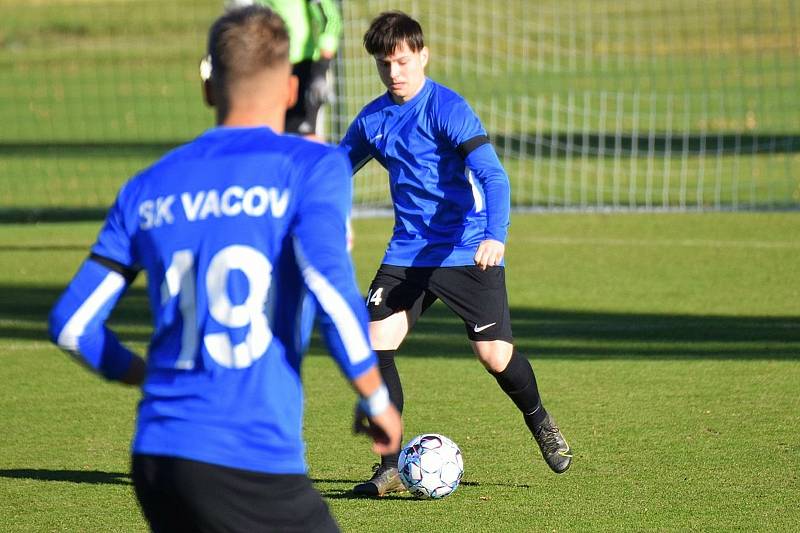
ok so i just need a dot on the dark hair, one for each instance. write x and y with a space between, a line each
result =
390 29
244 42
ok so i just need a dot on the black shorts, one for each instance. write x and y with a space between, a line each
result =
477 296
179 495
302 118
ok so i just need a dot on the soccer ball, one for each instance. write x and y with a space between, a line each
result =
430 466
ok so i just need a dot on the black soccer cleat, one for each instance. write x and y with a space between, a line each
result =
555 450
383 481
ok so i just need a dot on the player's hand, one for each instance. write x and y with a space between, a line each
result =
490 253
384 429
319 92
136 372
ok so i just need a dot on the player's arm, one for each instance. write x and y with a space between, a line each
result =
469 138
320 244
355 146
489 172
330 20
326 17
77 321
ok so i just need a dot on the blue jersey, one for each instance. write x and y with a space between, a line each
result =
448 188
232 229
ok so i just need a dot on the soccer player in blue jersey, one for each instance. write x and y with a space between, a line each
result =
451 202
232 229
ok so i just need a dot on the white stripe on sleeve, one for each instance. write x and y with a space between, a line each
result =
476 194
346 322
76 325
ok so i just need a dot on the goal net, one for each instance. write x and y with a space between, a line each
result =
604 104
666 104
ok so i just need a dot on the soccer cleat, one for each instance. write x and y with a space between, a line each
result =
383 481
555 450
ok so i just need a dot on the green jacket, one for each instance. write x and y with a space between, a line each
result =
313 25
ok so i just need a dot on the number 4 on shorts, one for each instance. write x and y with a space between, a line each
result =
375 298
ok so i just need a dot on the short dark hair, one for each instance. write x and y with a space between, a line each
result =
244 42
390 29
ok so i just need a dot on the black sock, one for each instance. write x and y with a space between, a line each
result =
519 383
392 379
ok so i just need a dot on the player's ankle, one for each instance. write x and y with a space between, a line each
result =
535 418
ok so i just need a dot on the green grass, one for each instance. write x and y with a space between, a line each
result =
92 80
667 346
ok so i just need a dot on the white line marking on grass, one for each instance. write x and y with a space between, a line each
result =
697 243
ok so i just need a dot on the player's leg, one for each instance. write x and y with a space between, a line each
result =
479 297
394 303
296 117
518 381
316 94
388 333
385 336
158 498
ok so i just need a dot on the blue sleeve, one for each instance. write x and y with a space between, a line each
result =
355 146
320 243
114 239
467 135
309 309
489 172
77 321
459 122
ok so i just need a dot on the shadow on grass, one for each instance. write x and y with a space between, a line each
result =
47 248
548 144
94 477
97 477
346 491
23 215
600 144
540 333
347 494
24 311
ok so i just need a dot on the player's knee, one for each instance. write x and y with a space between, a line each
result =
385 340
493 363
493 355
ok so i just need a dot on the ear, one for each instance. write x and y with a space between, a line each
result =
208 94
423 56
294 83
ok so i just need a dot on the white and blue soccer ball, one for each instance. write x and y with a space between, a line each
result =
430 466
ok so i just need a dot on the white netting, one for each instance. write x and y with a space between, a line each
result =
620 104
667 104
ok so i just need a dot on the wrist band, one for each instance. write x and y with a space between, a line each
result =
376 403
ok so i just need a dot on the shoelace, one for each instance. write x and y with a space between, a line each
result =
548 437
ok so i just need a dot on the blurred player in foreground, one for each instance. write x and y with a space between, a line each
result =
451 201
232 229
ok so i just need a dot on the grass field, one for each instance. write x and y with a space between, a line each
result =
93 89
667 346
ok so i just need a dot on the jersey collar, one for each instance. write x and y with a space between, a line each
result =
424 90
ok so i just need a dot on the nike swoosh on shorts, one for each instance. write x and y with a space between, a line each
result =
477 329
